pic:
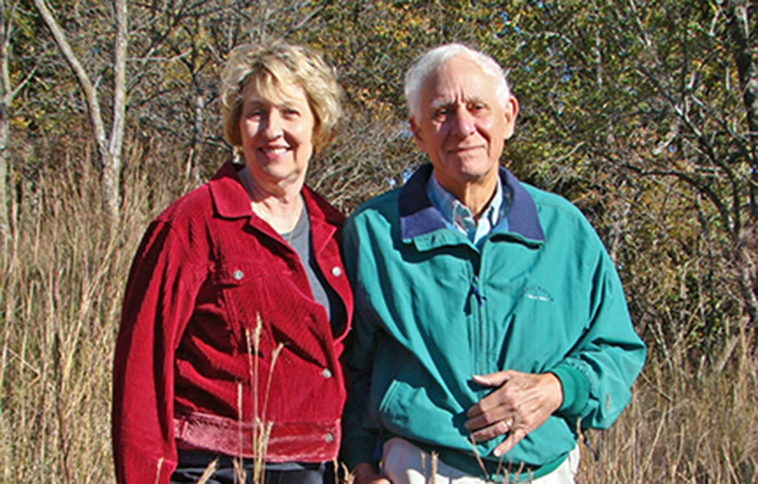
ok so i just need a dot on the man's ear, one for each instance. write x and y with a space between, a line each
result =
511 112
417 135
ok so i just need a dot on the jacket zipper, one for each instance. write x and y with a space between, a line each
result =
480 303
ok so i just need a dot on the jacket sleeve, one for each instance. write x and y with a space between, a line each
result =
598 373
360 434
158 302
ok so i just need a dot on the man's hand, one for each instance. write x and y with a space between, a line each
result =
520 403
366 474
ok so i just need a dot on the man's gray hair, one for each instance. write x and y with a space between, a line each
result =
434 59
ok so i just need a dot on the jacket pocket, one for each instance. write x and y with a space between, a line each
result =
246 302
388 362
416 406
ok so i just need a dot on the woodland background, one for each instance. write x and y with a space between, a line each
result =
644 113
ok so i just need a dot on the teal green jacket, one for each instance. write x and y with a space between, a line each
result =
431 310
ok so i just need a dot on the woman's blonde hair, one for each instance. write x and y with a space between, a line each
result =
273 67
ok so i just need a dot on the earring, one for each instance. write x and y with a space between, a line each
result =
239 155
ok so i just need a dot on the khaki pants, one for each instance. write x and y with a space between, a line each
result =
404 463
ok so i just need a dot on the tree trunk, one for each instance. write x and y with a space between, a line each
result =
109 151
116 146
747 71
5 228
748 75
5 100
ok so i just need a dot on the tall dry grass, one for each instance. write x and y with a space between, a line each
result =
63 272
684 424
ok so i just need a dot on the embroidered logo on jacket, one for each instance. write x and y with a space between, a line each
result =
536 293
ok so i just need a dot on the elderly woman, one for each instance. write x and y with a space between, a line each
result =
237 302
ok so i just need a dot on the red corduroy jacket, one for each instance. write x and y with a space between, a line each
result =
208 277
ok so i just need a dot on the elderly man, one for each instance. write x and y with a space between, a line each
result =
490 323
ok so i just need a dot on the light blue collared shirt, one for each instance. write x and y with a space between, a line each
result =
459 217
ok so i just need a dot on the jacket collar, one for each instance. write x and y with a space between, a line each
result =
418 216
230 199
229 196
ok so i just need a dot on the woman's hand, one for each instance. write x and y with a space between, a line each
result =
366 474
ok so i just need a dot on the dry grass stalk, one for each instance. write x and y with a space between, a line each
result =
159 466
208 473
433 458
239 471
261 427
349 475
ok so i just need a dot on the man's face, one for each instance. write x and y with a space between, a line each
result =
462 125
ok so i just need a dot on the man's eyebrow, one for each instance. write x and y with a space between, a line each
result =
445 102
441 103
476 100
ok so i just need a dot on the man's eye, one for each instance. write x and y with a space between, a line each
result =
441 113
290 112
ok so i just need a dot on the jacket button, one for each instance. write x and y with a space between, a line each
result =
238 275
326 373
328 438
336 271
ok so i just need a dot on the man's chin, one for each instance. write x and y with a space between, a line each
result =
474 170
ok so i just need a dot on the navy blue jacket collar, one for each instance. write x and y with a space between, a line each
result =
418 216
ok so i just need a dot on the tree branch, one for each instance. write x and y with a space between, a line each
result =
90 94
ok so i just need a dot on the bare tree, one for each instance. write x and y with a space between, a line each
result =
109 145
6 96
8 93
747 70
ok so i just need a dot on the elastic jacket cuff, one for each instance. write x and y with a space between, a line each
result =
576 390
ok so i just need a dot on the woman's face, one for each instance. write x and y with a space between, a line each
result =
277 133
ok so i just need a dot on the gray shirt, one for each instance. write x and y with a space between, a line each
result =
300 240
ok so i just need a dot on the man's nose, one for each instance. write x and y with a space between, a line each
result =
463 124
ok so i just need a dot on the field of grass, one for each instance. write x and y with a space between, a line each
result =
62 277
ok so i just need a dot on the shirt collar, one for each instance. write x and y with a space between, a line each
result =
418 216
459 217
